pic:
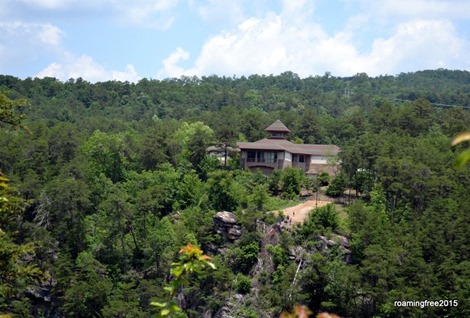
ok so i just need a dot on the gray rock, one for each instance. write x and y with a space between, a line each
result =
336 240
223 313
225 224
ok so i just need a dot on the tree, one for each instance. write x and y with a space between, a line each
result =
190 143
105 154
62 208
310 130
8 110
291 180
87 293
337 186
224 191
17 264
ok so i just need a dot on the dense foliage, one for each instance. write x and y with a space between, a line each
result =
110 179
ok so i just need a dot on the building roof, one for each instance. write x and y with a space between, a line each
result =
285 145
278 126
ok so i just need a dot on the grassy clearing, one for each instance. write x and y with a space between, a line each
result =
276 203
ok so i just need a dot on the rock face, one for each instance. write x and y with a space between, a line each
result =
225 224
336 240
324 245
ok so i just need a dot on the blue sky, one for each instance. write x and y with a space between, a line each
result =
102 40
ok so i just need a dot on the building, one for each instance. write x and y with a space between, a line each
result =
276 152
222 152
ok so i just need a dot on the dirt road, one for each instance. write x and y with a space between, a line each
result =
300 212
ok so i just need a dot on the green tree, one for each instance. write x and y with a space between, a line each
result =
337 186
9 110
291 180
87 293
190 143
17 264
62 208
260 196
105 154
223 191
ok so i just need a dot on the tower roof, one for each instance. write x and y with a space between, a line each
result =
278 126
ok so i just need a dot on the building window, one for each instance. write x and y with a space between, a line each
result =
260 156
271 157
251 156
301 158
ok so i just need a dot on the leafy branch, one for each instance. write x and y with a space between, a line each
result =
191 260
464 156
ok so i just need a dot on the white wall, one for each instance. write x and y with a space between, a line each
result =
318 160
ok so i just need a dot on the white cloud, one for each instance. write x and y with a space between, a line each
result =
289 41
48 4
153 13
424 9
220 11
44 33
85 67
148 13
170 64
44 41
419 44
50 34
22 42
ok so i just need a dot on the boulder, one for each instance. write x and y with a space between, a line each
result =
225 224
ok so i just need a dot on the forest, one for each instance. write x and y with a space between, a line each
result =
102 184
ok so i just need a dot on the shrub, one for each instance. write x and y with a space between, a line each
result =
337 186
320 220
292 179
323 178
243 284
325 217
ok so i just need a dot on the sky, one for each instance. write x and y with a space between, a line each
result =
126 40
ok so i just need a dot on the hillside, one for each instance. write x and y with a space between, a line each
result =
107 181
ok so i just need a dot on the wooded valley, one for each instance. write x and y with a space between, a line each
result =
101 185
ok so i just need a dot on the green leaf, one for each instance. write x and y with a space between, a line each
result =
165 312
175 308
157 304
169 289
177 271
211 265
462 158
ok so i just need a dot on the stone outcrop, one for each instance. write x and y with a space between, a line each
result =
340 241
324 245
225 224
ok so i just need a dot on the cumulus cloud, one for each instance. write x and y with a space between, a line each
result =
153 13
85 67
44 33
429 9
170 64
148 13
220 11
43 41
35 38
419 44
290 41
50 34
